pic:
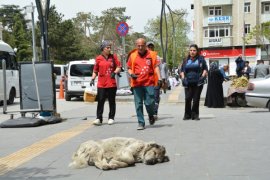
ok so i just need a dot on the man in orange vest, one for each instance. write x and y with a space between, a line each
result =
145 75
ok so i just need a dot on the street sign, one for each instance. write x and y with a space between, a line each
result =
122 28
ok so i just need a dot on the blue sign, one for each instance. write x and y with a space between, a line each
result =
122 28
219 19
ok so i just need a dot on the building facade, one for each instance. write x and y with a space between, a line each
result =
221 25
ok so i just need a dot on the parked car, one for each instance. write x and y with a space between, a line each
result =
60 71
78 77
258 92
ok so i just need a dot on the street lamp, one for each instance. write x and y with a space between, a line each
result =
43 11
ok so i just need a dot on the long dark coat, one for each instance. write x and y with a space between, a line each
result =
214 94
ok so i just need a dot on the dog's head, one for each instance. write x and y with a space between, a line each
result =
154 153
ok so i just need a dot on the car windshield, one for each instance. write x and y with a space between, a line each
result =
57 71
81 69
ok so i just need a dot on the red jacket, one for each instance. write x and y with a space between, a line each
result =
144 68
105 67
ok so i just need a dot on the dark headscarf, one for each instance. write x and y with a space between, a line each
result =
104 44
213 66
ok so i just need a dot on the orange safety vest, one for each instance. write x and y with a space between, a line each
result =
133 55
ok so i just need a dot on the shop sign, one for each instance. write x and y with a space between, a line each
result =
219 19
225 53
215 41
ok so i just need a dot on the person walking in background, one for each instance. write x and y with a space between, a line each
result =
164 75
214 94
151 47
247 69
106 67
261 69
193 74
240 64
145 75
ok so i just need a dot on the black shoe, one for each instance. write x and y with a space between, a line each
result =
186 117
152 120
195 117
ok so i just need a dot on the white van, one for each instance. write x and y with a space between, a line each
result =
78 77
12 74
60 71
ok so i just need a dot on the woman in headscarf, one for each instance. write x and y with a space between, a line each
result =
214 94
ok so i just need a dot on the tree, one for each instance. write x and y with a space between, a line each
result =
261 34
15 30
21 42
177 37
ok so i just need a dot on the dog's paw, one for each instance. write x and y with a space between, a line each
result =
105 167
114 166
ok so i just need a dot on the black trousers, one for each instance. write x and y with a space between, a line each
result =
102 95
192 93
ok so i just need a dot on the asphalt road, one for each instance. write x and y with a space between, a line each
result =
226 144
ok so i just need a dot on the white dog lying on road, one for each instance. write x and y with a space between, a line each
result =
117 152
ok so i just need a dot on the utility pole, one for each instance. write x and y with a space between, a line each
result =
244 33
43 11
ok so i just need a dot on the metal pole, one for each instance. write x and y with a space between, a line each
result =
124 52
244 34
34 59
4 86
43 11
33 34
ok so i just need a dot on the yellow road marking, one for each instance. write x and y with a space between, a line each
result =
174 96
16 159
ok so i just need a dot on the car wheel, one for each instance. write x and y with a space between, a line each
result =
67 96
241 100
11 97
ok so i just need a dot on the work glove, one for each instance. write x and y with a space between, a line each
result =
113 75
184 82
160 83
133 76
92 82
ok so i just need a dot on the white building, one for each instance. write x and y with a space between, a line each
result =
220 25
